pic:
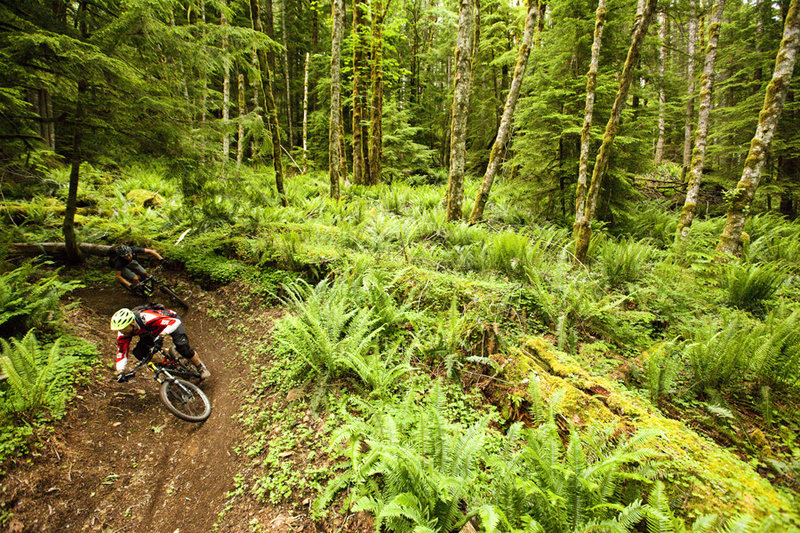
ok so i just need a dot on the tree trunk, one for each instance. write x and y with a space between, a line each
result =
504 130
305 115
255 82
204 96
582 230
376 90
70 241
700 140
226 95
242 111
269 106
334 154
586 131
777 89
360 143
460 110
690 61
286 78
663 36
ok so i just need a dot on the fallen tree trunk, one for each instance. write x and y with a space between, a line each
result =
56 248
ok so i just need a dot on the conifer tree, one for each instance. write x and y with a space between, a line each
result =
778 87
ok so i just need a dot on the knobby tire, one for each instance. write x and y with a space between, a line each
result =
185 400
169 292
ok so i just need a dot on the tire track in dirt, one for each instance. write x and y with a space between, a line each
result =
119 461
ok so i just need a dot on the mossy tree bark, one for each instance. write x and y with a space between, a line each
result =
226 93
690 61
334 153
242 112
777 90
663 38
290 134
582 229
305 115
460 109
269 105
703 117
504 129
376 92
586 130
360 133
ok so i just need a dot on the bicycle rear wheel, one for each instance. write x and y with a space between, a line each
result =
169 292
185 400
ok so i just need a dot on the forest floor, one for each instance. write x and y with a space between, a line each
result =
120 462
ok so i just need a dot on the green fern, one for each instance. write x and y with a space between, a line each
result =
777 359
32 375
720 357
749 286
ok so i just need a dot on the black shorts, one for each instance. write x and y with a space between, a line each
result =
179 339
132 270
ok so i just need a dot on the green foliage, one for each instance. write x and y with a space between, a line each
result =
336 334
625 261
720 354
567 488
29 301
419 470
32 376
750 285
777 358
661 369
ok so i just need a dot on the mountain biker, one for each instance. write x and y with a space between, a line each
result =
122 259
150 325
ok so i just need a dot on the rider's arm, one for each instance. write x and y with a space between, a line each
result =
123 345
153 253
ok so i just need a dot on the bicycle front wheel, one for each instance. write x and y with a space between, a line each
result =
185 400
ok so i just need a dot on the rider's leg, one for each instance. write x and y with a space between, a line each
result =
181 342
135 273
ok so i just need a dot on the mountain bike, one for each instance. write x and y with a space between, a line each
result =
183 398
147 287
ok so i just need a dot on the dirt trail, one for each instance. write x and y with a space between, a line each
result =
119 461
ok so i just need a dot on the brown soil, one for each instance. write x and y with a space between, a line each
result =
119 461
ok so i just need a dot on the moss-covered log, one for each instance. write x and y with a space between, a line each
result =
711 479
56 248
778 87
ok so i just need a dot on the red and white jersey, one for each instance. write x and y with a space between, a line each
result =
153 324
